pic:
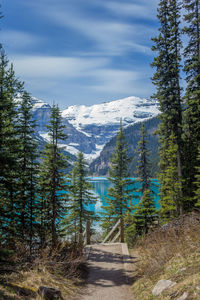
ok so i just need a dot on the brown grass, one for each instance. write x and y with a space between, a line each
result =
64 269
170 252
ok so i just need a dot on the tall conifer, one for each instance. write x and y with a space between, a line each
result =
27 169
170 198
192 97
166 78
143 166
9 150
81 197
145 213
52 183
120 194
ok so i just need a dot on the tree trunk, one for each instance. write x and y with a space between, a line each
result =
122 230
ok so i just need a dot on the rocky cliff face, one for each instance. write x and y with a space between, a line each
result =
100 165
76 140
41 113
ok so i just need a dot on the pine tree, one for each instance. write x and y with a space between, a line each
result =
145 214
120 197
192 97
9 150
143 166
43 213
81 197
52 182
166 79
170 190
71 221
27 169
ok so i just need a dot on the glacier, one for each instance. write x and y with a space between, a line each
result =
130 110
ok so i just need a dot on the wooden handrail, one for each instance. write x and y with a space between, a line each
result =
112 231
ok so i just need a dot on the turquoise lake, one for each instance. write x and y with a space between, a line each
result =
101 185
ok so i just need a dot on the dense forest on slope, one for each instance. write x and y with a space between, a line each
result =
132 134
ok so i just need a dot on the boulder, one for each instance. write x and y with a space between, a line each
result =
49 293
162 285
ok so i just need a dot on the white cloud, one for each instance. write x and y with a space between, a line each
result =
121 81
113 38
59 74
113 80
93 69
139 9
110 36
55 67
18 40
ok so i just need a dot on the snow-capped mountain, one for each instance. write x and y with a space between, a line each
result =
76 141
101 121
130 110
89 128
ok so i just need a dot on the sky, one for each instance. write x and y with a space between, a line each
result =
75 52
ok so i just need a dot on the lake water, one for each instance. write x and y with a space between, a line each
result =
101 185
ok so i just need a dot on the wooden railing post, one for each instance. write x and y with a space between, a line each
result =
122 230
113 236
111 233
80 238
88 223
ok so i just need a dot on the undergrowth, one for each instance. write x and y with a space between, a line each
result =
22 275
170 252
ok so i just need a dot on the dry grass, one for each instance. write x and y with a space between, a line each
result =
171 252
64 270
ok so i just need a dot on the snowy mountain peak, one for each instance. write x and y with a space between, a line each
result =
130 110
89 128
37 103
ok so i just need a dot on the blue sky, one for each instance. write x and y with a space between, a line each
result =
81 51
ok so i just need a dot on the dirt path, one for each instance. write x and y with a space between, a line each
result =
110 274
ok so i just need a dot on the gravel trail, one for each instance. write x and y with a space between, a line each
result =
110 274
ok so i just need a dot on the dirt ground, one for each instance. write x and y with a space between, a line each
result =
110 274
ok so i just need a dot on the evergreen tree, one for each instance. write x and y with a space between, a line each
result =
72 220
166 79
192 97
145 213
27 168
143 167
43 213
52 182
170 189
81 197
120 197
9 151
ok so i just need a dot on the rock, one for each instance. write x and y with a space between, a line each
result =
49 293
183 297
162 285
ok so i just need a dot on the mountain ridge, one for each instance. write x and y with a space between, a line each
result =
100 165
90 127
